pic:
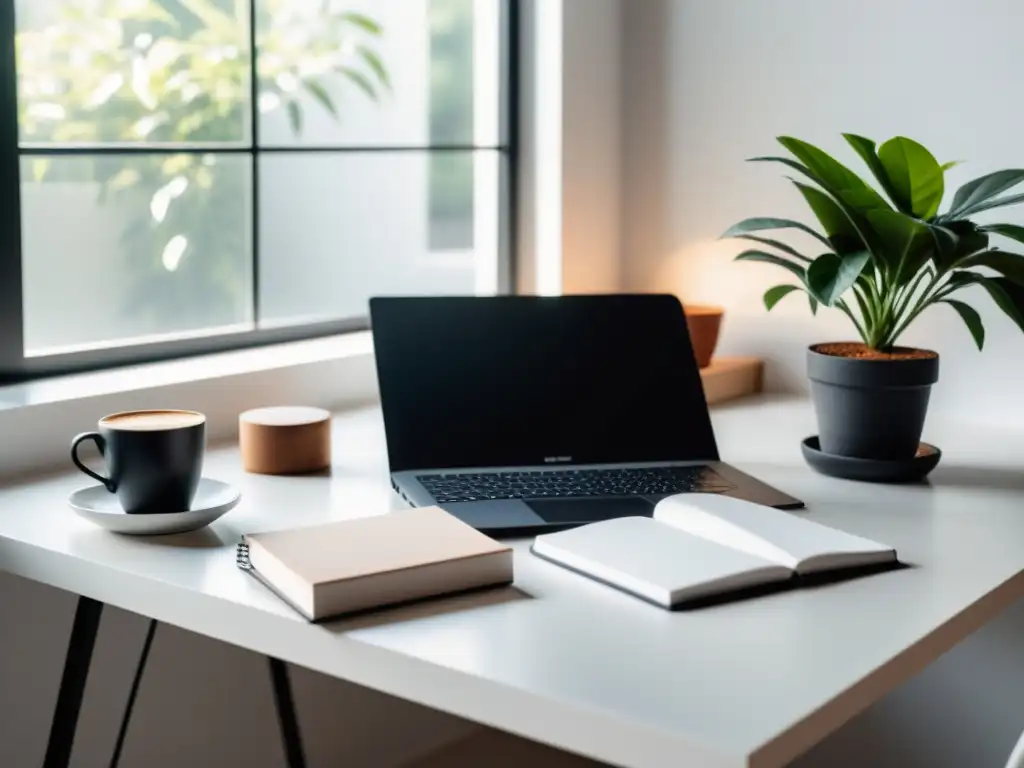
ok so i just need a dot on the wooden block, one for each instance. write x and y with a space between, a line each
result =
285 440
731 377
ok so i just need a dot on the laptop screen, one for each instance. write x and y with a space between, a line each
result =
524 381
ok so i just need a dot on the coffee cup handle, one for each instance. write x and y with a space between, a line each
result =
101 444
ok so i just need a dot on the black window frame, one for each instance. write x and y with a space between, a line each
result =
15 366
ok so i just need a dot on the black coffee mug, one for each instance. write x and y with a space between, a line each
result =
154 459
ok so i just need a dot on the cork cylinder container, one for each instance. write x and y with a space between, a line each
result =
285 440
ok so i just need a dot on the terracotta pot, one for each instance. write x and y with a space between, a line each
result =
704 323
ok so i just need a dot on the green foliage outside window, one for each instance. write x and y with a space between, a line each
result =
158 71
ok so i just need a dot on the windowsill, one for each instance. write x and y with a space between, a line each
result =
40 417
170 372
335 372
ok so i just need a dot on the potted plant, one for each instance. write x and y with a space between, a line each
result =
882 258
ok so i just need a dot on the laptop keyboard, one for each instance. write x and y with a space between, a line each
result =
573 483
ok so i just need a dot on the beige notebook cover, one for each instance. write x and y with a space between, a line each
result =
352 565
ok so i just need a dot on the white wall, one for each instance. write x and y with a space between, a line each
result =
569 219
591 146
708 83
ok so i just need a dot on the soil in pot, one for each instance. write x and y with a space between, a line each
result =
870 404
860 351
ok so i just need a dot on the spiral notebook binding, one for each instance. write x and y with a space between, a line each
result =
242 557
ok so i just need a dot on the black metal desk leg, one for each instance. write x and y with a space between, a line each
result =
285 704
132 694
72 682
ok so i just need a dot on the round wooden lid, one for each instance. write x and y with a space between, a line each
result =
285 440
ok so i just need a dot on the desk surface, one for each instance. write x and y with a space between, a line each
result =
566 661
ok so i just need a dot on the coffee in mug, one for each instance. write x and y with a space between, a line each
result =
154 459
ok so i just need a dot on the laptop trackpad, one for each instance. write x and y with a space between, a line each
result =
591 510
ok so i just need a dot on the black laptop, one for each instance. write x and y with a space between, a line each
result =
521 414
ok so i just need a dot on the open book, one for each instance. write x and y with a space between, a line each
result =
705 546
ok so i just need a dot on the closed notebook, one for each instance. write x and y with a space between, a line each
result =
701 546
352 565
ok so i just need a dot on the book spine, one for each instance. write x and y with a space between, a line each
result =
242 557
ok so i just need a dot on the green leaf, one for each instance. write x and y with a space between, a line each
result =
838 180
217 21
862 304
295 117
830 276
956 240
762 223
842 234
788 162
951 164
866 149
971 319
1014 297
40 166
843 307
775 244
126 178
915 175
360 80
814 304
771 258
374 62
982 189
1012 231
1009 265
773 295
945 242
906 240
792 164
362 21
999 202
152 12
318 92
1008 296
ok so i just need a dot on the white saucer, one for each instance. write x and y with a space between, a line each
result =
97 505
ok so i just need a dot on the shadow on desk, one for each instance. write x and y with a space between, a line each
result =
995 478
477 599
206 538
795 584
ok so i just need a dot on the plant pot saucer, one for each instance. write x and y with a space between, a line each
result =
871 470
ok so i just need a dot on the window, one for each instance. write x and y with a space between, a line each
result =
205 174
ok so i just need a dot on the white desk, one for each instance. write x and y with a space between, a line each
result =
566 661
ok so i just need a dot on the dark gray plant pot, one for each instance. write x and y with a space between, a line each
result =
870 409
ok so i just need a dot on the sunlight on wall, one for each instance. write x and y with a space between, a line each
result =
548 139
704 272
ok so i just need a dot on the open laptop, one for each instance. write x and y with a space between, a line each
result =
522 414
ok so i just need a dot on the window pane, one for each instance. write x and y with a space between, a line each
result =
118 247
336 229
132 71
379 72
